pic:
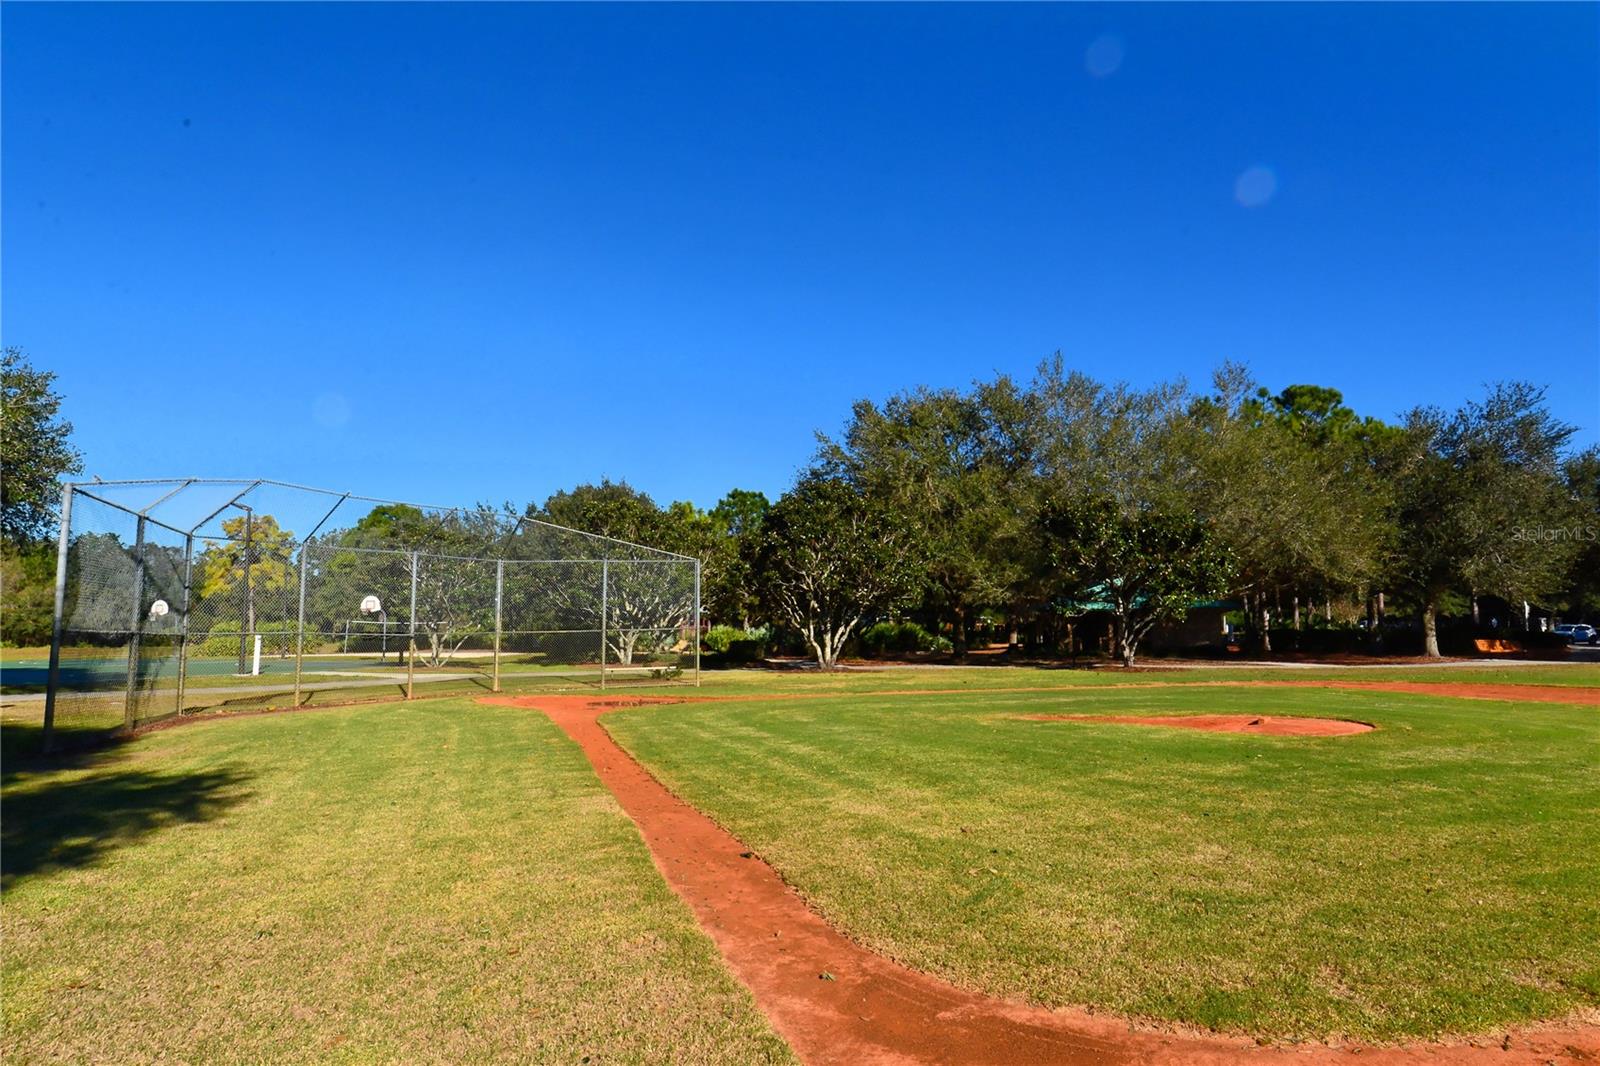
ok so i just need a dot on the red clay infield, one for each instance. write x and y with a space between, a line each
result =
1267 725
835 1002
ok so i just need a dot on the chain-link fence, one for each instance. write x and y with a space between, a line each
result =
182 596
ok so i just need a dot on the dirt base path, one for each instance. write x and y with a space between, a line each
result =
835 1002
1266 725
1582 697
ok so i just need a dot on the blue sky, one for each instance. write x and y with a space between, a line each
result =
452 253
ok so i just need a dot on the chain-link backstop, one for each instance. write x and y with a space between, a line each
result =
185 595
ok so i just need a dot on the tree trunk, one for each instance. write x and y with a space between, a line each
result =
1430 627
826 649
1129 643
1266 630
958 631
816 650
1297 612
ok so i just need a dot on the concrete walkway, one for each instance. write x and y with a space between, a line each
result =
257 690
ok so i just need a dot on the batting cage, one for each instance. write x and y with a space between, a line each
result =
178 596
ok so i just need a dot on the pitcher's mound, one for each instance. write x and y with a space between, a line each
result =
1225 723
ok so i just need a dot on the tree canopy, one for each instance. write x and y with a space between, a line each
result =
36 449
827 556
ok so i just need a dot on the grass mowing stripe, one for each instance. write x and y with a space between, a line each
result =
1435 876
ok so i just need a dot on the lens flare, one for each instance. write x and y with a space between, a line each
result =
331 410
1255 186
1103 57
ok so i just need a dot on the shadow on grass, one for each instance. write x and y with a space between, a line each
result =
22 740
72 821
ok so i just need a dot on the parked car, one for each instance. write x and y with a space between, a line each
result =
1579 633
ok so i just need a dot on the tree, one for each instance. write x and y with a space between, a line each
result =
1475 492
826 557
1294 482
931 458
1582 591
27 578
648 601
729 583
611 509
254 544
1149 566
454 581
35 448
253 563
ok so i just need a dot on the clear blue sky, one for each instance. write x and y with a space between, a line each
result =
452 253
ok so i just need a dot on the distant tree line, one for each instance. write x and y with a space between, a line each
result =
1005 509
1009 505
1020 502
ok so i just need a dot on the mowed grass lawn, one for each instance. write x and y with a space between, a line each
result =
1440 875
433 882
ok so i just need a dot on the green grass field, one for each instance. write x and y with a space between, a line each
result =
433 882
447 881
1439 875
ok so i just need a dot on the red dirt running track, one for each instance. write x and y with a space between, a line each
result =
875 1011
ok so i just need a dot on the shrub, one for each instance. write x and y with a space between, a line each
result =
734 645
718 638
898 638
277 639
223 640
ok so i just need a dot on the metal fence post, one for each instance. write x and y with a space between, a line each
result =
130 708
183 618
411 644
499 594
247 623
53 684
605 584
697 623
300 629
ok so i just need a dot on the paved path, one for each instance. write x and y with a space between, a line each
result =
257 690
